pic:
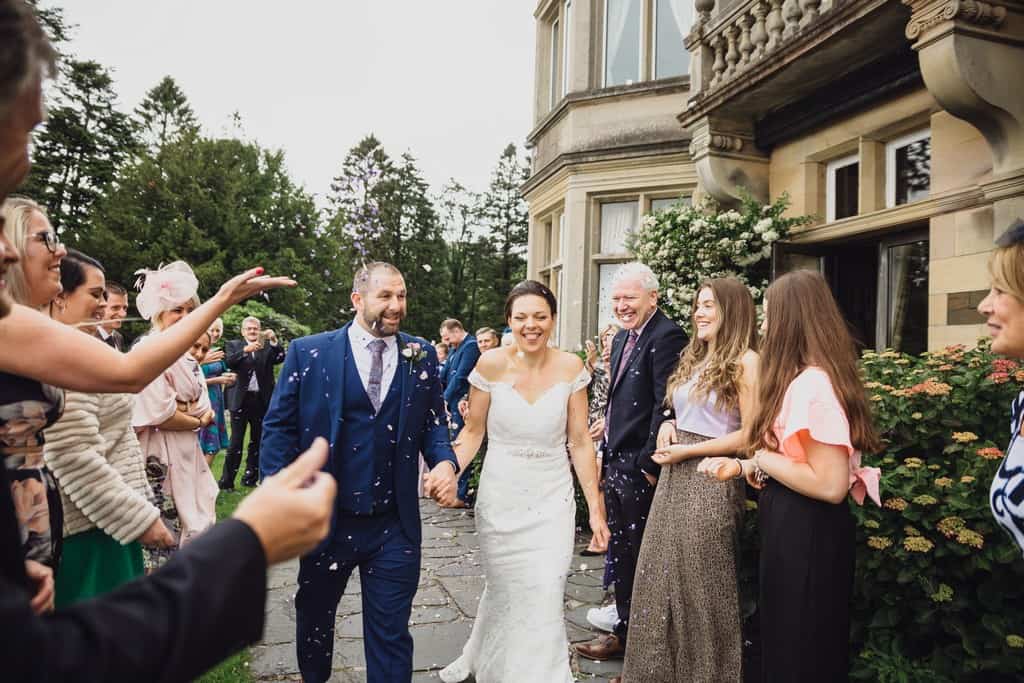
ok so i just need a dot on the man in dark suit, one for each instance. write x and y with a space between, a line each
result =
253 359
116 310
644 353
460 363
374 394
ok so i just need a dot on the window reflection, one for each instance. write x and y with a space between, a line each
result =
908 297
622 42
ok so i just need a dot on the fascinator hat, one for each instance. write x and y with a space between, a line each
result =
164 288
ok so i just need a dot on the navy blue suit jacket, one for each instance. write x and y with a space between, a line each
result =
457 368
307 403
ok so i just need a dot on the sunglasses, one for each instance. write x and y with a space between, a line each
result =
50 239
1013 234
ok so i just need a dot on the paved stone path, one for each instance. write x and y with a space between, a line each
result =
450 585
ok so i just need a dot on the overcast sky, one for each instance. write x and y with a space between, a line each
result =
448 80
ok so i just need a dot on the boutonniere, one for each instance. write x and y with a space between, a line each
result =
414 353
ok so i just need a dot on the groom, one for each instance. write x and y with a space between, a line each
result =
374 394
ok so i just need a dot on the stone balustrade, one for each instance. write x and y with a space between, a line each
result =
750 33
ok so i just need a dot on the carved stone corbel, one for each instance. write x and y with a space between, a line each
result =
972 55
727 161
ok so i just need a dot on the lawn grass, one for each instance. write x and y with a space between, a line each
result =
234 669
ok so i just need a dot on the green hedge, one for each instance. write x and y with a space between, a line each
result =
939 589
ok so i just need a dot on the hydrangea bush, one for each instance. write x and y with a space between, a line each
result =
939 589
687 244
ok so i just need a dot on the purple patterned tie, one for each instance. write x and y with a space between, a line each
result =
623 364
376 347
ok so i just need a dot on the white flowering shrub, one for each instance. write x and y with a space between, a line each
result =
685 245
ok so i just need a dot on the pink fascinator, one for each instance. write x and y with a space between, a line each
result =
164 288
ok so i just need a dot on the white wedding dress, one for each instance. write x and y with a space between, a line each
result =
525 518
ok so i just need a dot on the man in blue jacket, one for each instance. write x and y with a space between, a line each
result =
374 394
460 363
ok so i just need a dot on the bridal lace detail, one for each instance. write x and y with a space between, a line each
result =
525 517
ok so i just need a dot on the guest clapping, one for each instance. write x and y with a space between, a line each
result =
95 456
1004 310
252 359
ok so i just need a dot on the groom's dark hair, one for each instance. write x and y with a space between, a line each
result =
361 281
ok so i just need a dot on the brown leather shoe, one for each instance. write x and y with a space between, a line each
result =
602 647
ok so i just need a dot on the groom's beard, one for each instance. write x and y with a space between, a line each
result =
375 322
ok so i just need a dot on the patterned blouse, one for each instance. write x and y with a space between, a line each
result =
1006 496
598 393
27 407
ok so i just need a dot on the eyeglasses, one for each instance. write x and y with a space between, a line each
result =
1013 234
50 239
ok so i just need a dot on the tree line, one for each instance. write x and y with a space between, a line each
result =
137 189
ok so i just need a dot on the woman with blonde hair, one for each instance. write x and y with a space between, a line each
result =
168 413
685 616
1003 309
35 280
596 363
806 435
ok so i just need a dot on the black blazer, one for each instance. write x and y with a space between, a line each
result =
244 364
637 401
203 605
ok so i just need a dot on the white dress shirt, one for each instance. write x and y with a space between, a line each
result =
360 341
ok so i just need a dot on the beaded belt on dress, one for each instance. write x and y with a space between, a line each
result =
521 451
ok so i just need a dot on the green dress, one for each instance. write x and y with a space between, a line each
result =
93 564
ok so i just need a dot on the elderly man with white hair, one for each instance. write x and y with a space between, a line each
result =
252 359
644 354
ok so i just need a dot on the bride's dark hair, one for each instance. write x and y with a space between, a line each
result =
530 288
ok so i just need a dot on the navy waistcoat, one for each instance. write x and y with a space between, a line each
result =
369 442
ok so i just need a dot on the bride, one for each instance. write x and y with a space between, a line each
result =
531 401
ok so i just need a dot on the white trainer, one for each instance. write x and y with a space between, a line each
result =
603 618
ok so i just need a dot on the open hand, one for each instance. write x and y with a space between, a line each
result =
249 284
669 455
214 355
42 577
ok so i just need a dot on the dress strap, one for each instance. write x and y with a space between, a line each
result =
478 381
581 381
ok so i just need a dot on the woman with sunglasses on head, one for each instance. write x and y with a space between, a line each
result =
95 456
1003 309
808 429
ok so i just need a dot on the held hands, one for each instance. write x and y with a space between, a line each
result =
441 484
596 429
727 469
42 577
291 511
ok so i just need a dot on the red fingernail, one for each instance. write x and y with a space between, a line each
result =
259 271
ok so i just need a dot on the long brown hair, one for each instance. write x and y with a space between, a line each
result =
805 328
722 368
